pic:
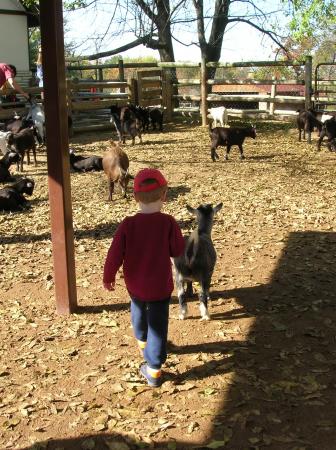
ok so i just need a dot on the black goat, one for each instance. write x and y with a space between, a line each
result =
142 114
156 118
6 161
198 261
329 130
85 163
228 137
22 142
306 122
12 198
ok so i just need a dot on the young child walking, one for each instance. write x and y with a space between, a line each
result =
143 245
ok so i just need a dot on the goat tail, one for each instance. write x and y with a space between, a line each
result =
190 252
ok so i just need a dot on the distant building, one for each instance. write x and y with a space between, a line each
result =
15 21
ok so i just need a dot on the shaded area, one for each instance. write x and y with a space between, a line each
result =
277 385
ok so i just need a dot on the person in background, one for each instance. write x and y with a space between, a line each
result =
8 73
39 71
143 244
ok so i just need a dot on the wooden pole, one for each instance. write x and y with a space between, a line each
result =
52 39
273 94
308 88
204 93
121 73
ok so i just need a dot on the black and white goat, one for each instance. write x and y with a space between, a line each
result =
36 115
329 131
10 158
126 123
198 261
12 198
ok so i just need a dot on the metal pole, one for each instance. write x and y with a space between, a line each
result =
204 93
52 39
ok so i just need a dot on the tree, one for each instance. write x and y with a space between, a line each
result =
157 23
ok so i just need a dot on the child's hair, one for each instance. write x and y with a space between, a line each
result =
150 196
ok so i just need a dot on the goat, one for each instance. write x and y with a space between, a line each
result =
142 114
125 123
156 117
22 142
329 130
36 114
18 123
5 163
229 137
306 122
219 114
198 261
85 164
115 165
3 141
12 198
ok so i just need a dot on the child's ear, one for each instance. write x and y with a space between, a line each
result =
164 195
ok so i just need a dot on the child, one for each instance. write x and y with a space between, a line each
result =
144 244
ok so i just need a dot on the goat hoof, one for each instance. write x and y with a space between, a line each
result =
183 313
206 317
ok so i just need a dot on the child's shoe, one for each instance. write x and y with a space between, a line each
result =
153 377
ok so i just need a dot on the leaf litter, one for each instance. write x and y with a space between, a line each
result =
259 374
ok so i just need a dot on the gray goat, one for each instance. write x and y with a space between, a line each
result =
198 260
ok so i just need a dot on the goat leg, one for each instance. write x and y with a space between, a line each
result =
111 190
203 298
228 148
181 296
241 151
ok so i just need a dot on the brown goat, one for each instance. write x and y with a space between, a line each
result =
115 165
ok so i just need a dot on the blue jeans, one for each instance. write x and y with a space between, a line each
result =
150 324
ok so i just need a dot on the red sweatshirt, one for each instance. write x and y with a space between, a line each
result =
143 244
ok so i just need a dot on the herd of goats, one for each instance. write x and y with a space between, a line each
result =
20 135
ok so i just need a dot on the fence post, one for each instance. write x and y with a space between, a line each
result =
167 93
204 93
121 73
308 81
133 87
273 94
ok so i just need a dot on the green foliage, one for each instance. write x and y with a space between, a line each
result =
308 16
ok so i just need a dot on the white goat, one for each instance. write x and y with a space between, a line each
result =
3 141
36 113
219 114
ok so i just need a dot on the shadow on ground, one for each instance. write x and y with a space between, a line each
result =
281 391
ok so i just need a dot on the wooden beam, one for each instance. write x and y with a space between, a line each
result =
52 40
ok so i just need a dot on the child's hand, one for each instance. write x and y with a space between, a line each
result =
109 286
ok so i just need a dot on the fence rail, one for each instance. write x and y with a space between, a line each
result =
188 88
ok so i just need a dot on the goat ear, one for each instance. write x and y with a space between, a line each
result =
191 210
218 207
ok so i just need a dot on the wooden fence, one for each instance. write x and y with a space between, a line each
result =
160 85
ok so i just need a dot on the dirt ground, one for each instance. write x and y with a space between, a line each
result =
258 375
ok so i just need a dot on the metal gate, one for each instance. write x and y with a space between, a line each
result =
324 95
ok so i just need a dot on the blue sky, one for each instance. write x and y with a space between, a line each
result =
241 42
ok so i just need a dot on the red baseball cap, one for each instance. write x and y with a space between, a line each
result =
148 174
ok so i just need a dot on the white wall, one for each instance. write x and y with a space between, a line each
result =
14 36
